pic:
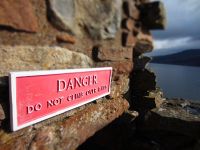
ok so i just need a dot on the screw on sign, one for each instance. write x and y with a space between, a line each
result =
38 95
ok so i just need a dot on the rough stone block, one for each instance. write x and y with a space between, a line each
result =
89 121
100 19
105 54
145 35
144 42
22 58
66 133
153 15
156 96
120 67
141 62
131 10
128 40
62 14
144 104
120 86
142 47
128 24
115 136
177 116
18 15
66 38
142 81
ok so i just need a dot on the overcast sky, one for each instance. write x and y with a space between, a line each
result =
183 26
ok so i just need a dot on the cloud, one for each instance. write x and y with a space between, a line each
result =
171 43
169 46
183 28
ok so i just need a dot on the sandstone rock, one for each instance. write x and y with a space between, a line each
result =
66 38
145 35
18 58
44 138
131 10
139 2
67 133
156 96
63 14
153 15
11 141
119 86
104 54
120 80
176 116
128 24
101 19
115 136
145 1
141 47
144 42
18 15
172 125
119 67
143 104
70 133
143 81
128 39
141 62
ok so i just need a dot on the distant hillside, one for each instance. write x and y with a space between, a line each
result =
187 58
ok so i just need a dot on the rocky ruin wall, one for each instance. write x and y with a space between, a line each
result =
62 34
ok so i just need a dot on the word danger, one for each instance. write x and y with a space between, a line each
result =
73 83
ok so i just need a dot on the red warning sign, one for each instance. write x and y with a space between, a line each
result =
38 95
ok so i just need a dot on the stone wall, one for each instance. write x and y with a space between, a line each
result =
61 34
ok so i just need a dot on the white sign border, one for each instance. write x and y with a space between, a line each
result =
12 93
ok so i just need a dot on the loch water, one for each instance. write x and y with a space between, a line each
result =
178 81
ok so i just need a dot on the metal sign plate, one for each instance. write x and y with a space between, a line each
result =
38 95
